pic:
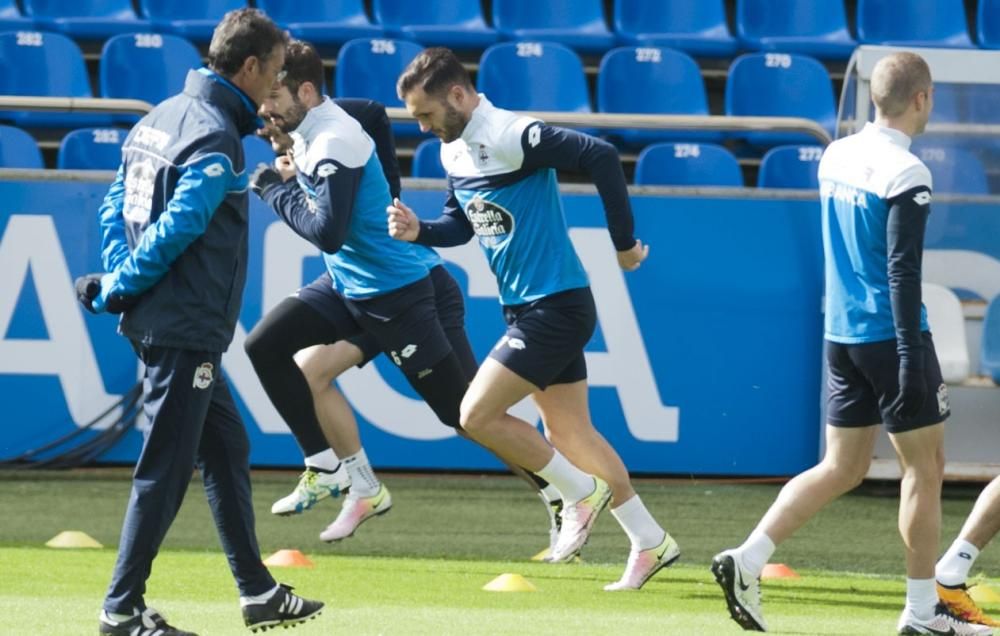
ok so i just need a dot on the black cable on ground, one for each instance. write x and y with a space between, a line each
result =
89 449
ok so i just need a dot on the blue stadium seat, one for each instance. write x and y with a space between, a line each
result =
146 66
534 76
780 85
11 18
48 65
989 356
92 149
427 160
795 26
699 28
933 23
652 80
193 19
322 21
987 24
457 24
953 170
256 151
682 164
85 19
576 23
790 167
18 149
369 68
983 100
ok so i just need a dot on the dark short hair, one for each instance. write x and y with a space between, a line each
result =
435 70
302 64
241 34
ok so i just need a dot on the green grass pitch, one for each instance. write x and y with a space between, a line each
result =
420 569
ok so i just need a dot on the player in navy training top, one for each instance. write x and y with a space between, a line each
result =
502 188
875 198
174 244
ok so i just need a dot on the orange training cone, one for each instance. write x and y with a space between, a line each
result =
778 571
288 559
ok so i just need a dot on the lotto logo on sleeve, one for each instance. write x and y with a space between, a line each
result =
203 376
215 170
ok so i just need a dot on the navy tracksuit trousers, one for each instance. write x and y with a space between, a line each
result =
191 420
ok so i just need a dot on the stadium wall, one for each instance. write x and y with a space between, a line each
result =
706 361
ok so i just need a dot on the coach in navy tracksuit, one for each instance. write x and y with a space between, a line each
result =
174 243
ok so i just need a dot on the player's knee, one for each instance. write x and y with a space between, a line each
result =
471 417
847 475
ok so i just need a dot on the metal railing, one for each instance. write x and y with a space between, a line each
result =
666 122
574 120
75 104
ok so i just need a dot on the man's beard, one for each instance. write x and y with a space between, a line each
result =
290 120
454 123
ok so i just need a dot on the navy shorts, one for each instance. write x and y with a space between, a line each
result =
545 338
403 323
450 310
863 381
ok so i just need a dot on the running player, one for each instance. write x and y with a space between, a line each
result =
333 433
374 285
502 187
882 367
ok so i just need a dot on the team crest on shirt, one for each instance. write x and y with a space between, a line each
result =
491 222
203 376
484 157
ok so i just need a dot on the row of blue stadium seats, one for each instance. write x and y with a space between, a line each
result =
648 80
697 26
551 76
955 170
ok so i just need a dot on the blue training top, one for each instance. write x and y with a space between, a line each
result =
502 187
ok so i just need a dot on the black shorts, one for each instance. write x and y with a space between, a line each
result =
545 338
403 323
450 310
863 381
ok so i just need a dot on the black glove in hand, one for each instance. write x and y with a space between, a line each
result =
264 178
88 287
912 392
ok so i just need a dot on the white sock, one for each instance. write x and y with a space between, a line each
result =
921 598
953 568
324 460
364 483
638 524
571 482
260 598
755 552
550 494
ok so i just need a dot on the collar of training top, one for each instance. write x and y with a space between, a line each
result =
896 136
206 84
479 115
316 116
